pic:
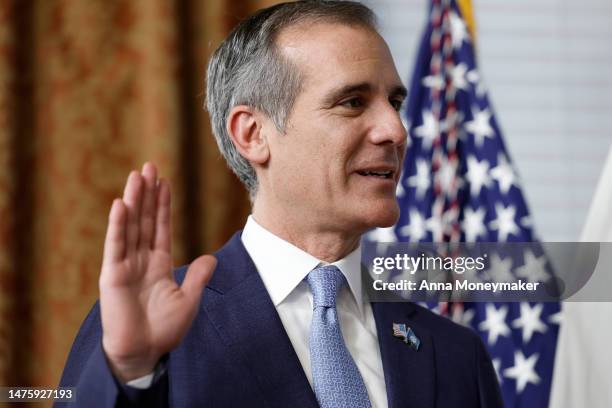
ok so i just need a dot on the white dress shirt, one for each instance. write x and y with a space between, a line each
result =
283 267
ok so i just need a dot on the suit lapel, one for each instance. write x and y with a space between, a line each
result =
248 322
246 319
409 374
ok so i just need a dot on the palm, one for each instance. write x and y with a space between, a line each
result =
145 314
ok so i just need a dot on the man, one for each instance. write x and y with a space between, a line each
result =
304 100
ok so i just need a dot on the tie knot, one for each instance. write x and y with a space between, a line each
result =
325 283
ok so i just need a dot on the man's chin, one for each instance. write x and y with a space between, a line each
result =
383 216
386 222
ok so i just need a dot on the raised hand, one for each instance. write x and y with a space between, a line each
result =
145 314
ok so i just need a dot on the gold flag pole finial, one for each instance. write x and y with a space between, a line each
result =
467 12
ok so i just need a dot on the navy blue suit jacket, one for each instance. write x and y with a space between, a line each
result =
237 354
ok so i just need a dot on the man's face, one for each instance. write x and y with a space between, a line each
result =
338 163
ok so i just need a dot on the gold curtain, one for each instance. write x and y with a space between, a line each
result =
88 91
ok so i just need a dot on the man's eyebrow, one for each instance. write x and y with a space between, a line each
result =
364 87
338 93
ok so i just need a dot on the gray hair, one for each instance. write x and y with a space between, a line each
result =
248 69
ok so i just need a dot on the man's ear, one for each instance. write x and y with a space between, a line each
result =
244 126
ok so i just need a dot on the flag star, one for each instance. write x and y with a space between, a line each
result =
421 180
495 323
500 270
436 226
458 30
473 223
463 316
470 275
429 130
383 234
530 321
480 125
497 367
474 77
399 189
504 223
556 318
458 75
533 268
503 173
440 220
523 371
434 82
477 175
415 228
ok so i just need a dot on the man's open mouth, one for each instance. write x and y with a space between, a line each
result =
381 174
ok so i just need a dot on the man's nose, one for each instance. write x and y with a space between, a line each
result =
388 127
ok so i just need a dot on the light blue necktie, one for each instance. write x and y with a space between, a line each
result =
336 379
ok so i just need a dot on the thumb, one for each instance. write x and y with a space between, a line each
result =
198 275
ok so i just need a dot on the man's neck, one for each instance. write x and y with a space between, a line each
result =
323 243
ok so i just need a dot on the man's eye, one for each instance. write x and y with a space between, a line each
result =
397 104
352 103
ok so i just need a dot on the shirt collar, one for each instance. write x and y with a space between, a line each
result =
282 266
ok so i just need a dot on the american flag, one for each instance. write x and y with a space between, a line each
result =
459 185
399 330
403 332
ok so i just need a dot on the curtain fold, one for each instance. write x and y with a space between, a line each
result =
88 91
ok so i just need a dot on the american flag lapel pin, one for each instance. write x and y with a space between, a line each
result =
404 332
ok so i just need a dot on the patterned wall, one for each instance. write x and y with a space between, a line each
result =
88 91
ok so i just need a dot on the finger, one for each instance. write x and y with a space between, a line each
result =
115 241
163 225
198 275
149 203
132 197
